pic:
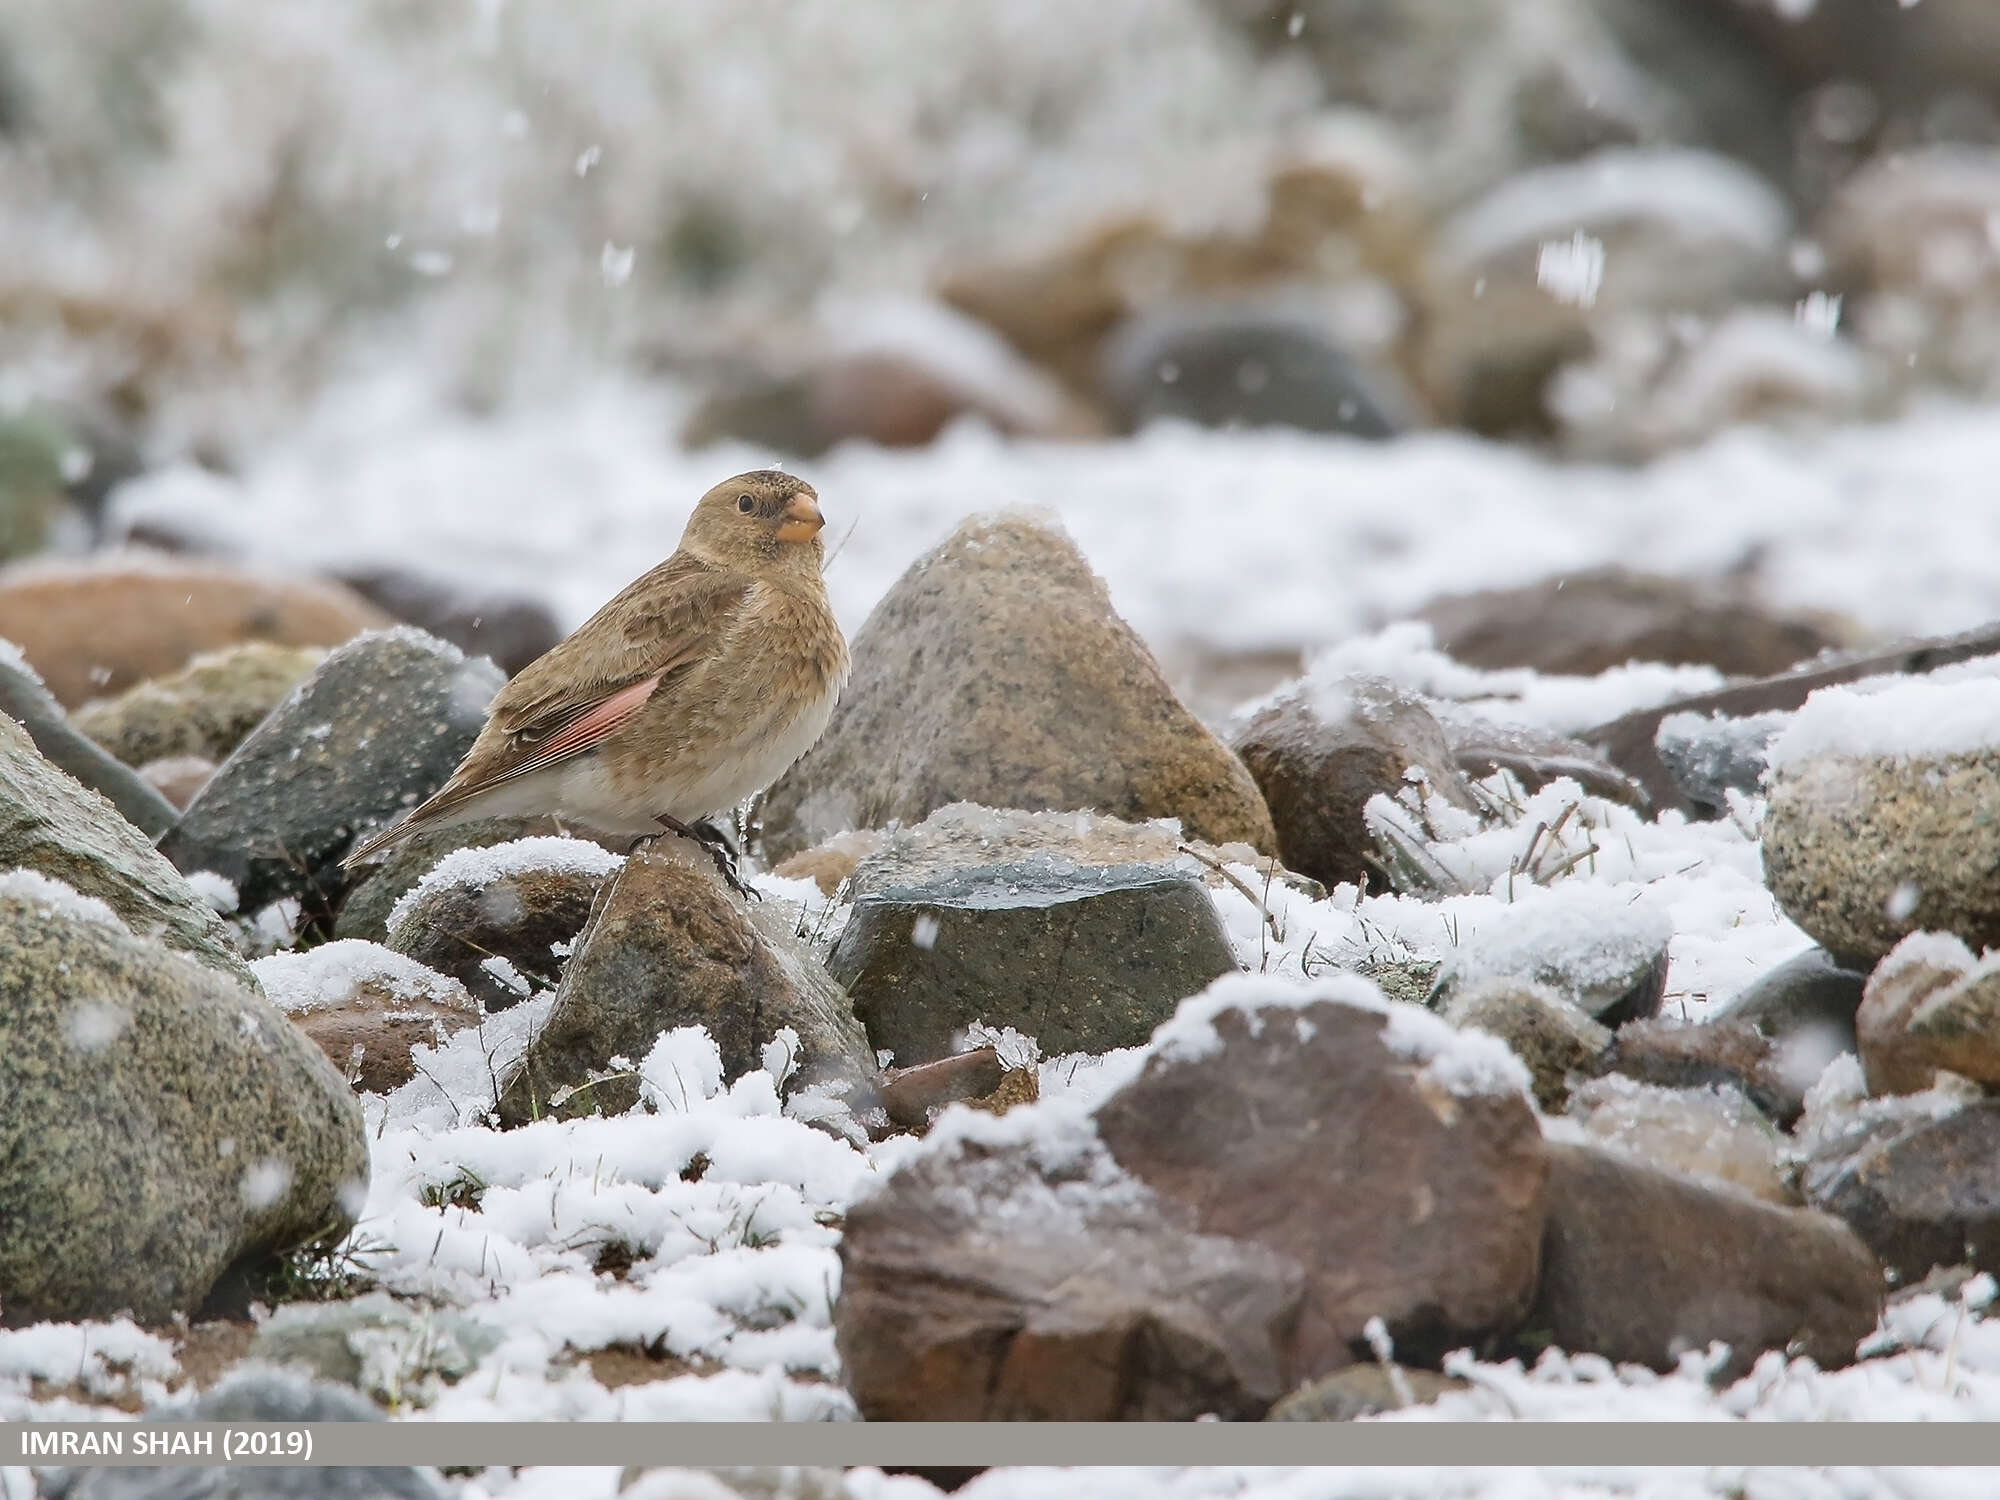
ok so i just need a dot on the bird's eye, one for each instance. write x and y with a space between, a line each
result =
745 504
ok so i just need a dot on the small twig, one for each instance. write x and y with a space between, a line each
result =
1248 894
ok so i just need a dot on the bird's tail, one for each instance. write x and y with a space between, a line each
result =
378 842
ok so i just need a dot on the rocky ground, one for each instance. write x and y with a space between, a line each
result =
1375 1051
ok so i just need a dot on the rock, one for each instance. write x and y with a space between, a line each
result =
1320 750
373 731
911 1095
1712 1132
28 703
1733 1054
1929 1005
1921 1190
1710 756
1642 1266
207 708
995 671
1082 958
178 778
1863 850
51 824
1536 757
964 836
1581 624
255 1396
1907 234
366 1007
1810 996
1551 1036
508 630
1535 273
101 625
669 946
501 919
1363 1391
364 911
1235 1110
1144 1273
1594 948
373 1343
1630 741
163 1122
1245 364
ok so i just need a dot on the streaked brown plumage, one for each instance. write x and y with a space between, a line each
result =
693 688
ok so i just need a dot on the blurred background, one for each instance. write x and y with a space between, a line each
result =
1300 316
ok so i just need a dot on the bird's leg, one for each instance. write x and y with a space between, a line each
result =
712 839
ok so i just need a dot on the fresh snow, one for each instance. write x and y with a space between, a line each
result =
52 897
328 976
475 869
1914 719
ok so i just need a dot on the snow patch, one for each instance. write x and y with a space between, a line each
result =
327 977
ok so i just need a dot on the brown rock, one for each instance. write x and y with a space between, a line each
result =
206 709
1322 749
1929 1005
1920 1190
668 946
1438 1238
1629 741
106 624
1090 1307
521 906
1642 1266
1683 1054
1551 1036
995 671
366 1007
1581 624
178 778
911 1094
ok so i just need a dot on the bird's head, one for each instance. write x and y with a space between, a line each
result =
757 519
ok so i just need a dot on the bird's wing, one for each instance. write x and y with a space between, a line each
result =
572 699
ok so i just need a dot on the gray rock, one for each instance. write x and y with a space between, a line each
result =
1642 1266
996 672
162 1122
1321 749
50 823
373 731
1363 1391
207 708
1080 957
1810 997
1921 1191
1862 852
1243 365
671 946
25 700
374 1343
1711 756
1592 947
255 1396
1546 1032
505 628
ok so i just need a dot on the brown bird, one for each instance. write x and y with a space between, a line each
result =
693 688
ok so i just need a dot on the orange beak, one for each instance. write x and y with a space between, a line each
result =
802 520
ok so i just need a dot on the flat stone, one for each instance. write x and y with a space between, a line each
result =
1082 958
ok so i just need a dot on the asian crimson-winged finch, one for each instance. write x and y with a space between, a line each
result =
693 688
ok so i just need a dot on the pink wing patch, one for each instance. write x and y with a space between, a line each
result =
598 722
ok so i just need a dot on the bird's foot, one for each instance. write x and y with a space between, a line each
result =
717 844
